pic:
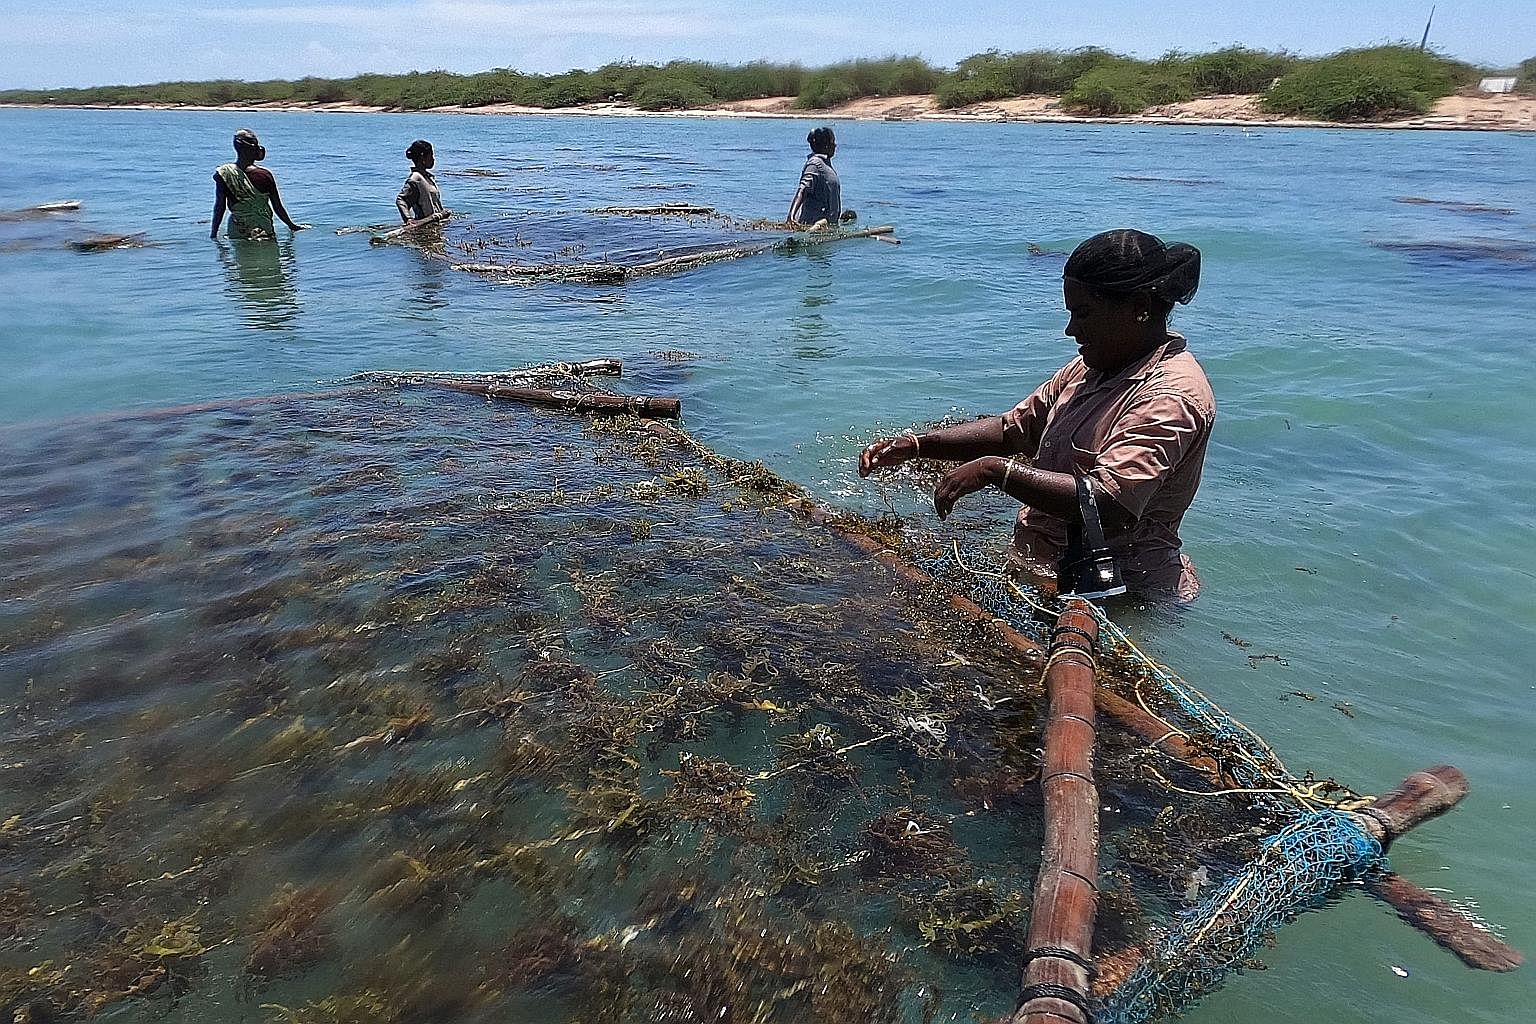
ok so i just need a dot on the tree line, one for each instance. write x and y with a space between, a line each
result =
1359 84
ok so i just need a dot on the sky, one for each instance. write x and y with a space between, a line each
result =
73 43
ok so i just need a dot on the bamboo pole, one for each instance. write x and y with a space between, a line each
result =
573 401
407 230
817 237
607 366
1058 976
1445 923
1422 796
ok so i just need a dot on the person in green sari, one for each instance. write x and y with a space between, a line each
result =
249 193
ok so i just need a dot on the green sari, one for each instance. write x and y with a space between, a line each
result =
250 211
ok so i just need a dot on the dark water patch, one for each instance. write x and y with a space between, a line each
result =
474 172
1455 206
1193 182
1501 253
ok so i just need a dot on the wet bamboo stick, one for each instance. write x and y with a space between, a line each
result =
605 367
573 401
1421 796
1445 923
817 238
406 230
41 210
1058 976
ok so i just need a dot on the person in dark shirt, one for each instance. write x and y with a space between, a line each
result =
420 198
249 193
819 199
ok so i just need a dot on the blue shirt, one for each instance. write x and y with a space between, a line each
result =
821 194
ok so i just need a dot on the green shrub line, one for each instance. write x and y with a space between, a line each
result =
1362 84
1525 77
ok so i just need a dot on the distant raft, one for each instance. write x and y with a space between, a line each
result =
41 210
103 242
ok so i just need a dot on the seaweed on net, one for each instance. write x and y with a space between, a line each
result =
971 919
292 934
905 843
684 768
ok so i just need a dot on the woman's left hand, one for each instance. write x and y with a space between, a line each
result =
967 479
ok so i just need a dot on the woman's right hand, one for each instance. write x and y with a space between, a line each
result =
887 453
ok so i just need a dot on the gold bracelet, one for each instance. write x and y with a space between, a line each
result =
917 443
1007 472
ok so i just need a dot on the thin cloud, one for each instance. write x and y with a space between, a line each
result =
564 17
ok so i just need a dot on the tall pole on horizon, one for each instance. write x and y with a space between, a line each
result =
1425 40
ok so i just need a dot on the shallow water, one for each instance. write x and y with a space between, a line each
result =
1366 514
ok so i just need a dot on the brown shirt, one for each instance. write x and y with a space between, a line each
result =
1141 433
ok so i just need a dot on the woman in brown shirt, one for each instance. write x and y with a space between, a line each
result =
1131 414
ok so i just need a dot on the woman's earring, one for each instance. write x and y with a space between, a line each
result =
1141 318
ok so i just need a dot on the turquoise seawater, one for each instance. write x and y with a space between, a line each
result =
1367 512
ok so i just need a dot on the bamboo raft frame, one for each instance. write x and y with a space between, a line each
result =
620 273
1061 974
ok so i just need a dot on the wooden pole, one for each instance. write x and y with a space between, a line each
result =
1445 923
573 401
1421 796
1058 973
818 237
659 210
407 230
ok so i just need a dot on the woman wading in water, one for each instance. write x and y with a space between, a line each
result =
1131 415
420 198
249 193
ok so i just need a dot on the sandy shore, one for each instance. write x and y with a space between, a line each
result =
1454 113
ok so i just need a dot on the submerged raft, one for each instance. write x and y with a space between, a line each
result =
610 245
396 704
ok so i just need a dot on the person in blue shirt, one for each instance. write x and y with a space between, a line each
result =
819 199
